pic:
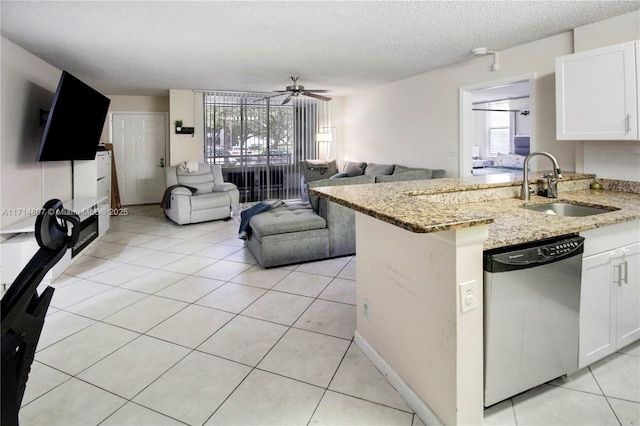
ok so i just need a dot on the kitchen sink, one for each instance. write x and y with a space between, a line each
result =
567 209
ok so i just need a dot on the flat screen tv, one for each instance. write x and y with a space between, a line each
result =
75 122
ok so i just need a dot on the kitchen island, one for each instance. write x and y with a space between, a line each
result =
417 243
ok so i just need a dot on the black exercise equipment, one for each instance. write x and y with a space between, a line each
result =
23 310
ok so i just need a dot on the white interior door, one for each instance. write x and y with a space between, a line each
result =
139 146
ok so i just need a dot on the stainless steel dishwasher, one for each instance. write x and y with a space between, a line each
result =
531 307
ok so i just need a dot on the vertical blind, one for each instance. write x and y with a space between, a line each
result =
259 142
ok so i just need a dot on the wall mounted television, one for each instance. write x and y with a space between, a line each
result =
75 122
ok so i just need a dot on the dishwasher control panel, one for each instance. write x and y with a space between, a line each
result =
532 254
560 248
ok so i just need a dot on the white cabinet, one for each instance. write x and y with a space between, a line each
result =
92 178
610 292
597 93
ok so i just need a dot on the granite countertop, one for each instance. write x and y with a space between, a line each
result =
456 203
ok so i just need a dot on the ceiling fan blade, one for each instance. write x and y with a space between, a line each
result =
287 100
316 90
266 97
313 95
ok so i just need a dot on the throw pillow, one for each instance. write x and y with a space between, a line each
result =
313 170
510 160
354 169
379 169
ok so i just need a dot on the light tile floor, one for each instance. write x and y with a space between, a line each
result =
159 324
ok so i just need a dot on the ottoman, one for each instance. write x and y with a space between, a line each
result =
292 233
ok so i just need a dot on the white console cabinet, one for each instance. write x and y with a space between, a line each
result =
16 252
92 178
91 197
597 93
610 293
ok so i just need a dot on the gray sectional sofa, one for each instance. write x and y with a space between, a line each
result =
315 228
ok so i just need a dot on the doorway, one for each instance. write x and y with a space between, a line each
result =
514 97
139 145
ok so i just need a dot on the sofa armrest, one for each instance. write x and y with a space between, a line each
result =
181 191
224 187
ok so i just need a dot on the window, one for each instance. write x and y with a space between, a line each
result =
259 142
499 128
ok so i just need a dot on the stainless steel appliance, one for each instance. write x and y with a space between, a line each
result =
531 306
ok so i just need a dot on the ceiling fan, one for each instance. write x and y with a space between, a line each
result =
295 90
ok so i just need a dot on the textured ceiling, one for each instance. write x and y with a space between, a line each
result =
147 47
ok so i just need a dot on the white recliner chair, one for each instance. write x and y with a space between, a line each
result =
199 194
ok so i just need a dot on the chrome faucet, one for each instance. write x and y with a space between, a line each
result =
557 174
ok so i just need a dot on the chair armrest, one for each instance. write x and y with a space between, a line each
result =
181 191
224 187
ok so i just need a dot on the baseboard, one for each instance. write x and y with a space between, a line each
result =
421 409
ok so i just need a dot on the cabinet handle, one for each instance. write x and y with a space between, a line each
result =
628 123
619 280
626 271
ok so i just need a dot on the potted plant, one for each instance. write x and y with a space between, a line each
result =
178 124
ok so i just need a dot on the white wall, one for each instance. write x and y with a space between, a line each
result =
28 83
185 105
415 121
611 159
120 103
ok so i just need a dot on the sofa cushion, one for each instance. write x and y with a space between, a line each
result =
216 171
292 217
353 169
209 201
202 179
438 173
399 177
318 169
224 187
356 180
435 173
379 169
403 169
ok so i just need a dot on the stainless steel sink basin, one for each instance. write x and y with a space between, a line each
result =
567 209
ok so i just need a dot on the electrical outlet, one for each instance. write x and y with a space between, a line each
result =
453 151
468 296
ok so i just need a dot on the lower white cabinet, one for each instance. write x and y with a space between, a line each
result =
610 292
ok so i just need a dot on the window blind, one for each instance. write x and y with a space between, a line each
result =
499 128
259 142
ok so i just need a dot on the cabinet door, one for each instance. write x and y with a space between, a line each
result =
596 94
626 275
597 310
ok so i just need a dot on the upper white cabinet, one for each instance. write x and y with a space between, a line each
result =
597 92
